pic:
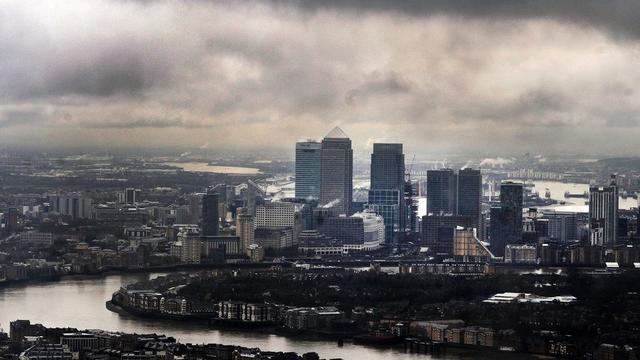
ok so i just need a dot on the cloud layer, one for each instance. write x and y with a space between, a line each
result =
466 76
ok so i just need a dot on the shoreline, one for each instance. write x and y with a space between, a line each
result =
402 345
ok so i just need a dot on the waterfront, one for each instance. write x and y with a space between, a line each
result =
80 303
558 189
217 169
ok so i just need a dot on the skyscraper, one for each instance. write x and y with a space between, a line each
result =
470 195
245 230
386 195
441 191
336 172
603 214
506 220
387 167
210 216
308 169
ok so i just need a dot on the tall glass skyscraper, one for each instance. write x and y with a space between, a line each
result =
506 220
308 169
387 167
603 214
470 194
441 192
336 172
386 195
210 216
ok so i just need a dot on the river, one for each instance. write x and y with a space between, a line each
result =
558 189
79 303
218 169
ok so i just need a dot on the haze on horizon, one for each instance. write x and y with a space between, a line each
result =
466 76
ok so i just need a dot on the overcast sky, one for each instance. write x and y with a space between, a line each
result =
441 76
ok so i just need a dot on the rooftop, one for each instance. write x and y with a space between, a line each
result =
336 133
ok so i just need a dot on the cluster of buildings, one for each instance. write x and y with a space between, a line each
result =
27 341
461 225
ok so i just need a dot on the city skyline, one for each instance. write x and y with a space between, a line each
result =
440 78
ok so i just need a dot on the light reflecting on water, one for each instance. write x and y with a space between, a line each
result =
218 169
79 303
558 189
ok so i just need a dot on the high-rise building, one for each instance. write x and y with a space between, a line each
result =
386 195
441 191
245 230
506 220
191 246
75 205
336 172
603 214
470 194
210 216
387 167
308 169
563 227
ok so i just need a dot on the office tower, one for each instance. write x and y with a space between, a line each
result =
308 169
336 172
563 228
386 195
74 205
276 215
210 216
387 166
506 220
191 246
245 229
603 214
441 191
470 194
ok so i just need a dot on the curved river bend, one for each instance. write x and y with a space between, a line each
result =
80 303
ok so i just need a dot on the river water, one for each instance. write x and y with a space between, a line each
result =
79 303
558 189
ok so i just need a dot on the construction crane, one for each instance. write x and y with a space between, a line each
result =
408 172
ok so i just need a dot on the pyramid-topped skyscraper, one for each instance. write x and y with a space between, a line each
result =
336 133
336 172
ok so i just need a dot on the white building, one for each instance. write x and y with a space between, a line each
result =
374 231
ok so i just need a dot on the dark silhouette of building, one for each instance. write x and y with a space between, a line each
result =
441 191
387 166
506 220
470 194
308 154
336 172
386 195
210 216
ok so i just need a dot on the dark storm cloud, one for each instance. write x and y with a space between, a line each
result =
377 84
490 74
618 17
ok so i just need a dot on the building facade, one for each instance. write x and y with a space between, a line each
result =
336 172
308 169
